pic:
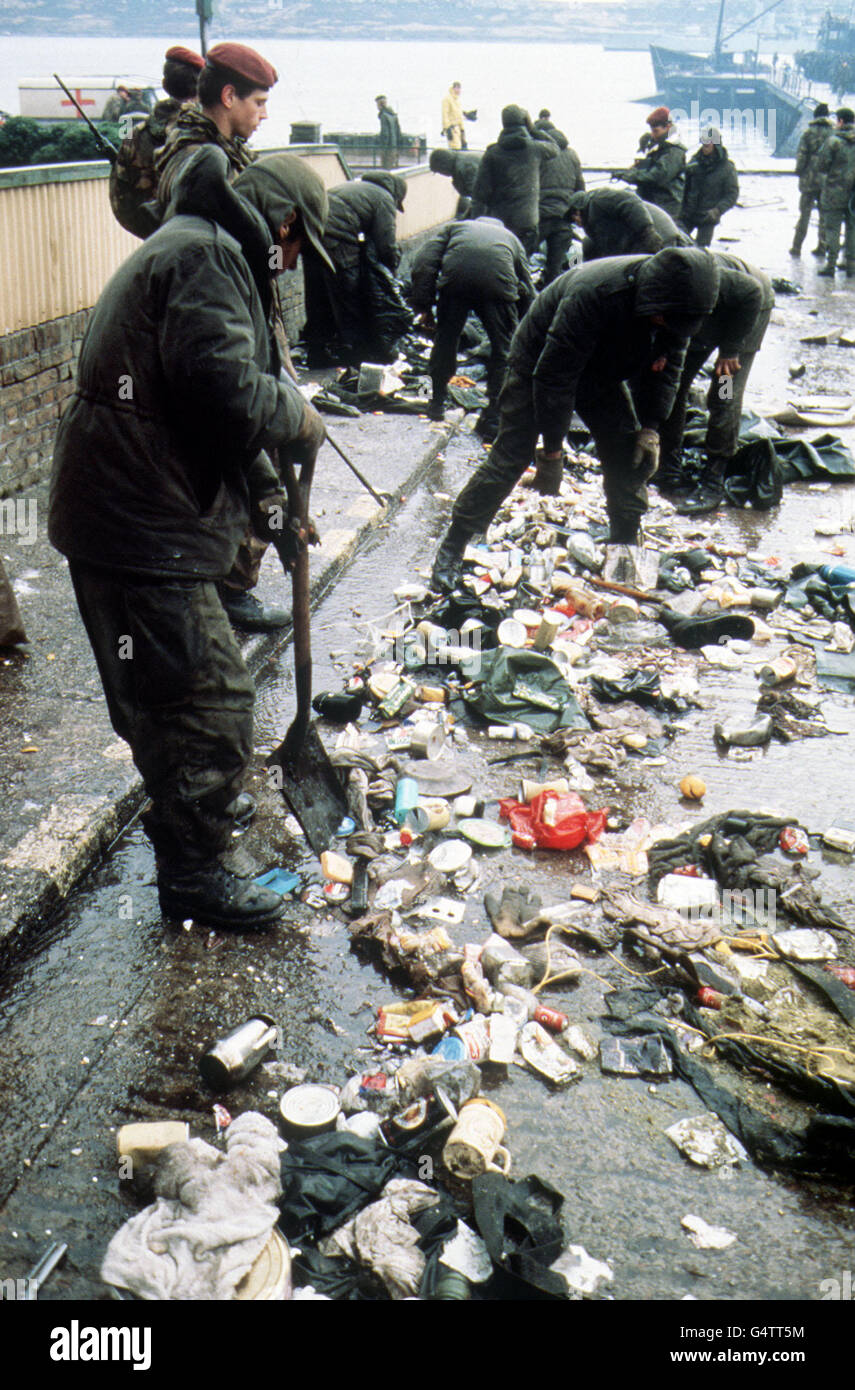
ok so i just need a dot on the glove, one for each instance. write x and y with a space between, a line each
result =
645 458
511 914
303 448
471 115
271 521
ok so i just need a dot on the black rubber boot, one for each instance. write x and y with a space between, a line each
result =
694 633
487 426
829 271
244 610
821 251
213 897
436 408
669 480
548 474
449 560
709 494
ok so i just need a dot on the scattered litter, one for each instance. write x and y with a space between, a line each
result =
704 1140
705 1237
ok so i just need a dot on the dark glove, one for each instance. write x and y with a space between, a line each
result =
303 448
271 521
471 115
510 914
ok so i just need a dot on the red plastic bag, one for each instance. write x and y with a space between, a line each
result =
552 820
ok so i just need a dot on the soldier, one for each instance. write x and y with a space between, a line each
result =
121 103
390 134
584 336
152 493
560 179
362 224
508 182
659 175
619 223
133 181
837 168
232 91
736 327
468 267
462 168
712 187
811 145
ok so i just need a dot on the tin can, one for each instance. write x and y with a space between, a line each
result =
552 1019
406 798
233 1057
399 696
475 1036
710 998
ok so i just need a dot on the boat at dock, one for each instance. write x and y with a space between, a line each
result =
734 91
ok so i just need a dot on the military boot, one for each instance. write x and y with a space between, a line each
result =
670 481
828 270
709 494
449 559
214 897
548 474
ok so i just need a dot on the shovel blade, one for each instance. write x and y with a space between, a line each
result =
311 787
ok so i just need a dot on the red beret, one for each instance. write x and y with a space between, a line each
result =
245 62
661 116
185 55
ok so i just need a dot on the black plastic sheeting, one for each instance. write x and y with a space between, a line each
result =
824 1145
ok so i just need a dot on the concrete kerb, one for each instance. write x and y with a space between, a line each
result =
42 868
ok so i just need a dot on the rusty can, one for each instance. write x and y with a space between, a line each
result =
550 1018
230 1059
710 998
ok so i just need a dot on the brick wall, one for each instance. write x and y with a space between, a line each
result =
36 377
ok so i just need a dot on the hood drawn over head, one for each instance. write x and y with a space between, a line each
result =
394 185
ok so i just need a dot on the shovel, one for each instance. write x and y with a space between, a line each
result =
308 781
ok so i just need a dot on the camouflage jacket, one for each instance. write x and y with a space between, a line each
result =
812 143
837 167
192 129
133 180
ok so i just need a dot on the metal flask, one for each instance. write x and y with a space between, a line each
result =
230 1059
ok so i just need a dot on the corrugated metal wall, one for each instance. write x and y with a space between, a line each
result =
61 243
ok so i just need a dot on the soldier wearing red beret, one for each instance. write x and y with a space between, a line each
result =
659 176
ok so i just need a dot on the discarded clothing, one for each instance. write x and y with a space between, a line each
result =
524 686
212 1216
382 1237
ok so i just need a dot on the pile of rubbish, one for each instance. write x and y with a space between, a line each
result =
719 962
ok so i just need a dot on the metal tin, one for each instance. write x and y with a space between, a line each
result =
475 1035
310 1108
233 1057
269 1277
406 798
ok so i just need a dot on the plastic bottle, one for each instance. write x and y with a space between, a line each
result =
837 576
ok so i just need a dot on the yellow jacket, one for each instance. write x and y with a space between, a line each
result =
452 119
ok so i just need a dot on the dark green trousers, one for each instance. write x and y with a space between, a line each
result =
179 693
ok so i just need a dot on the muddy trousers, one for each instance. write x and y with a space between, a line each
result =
808 200
606 408
335 305
499 319
833 220
724 406
179 693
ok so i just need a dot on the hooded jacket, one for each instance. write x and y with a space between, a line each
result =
660 176
460 166
508 182
596 320
177 391
712 186
619 223
742 309
812 142
837 169
369 206
560 177
478 259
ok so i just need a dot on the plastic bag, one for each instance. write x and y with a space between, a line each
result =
755 477
553 820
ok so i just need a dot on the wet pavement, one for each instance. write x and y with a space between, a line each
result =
105 1013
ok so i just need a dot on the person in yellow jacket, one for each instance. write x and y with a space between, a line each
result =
453 117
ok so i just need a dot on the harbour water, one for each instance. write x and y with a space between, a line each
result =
599 98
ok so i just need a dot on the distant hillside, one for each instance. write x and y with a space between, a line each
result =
354 19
